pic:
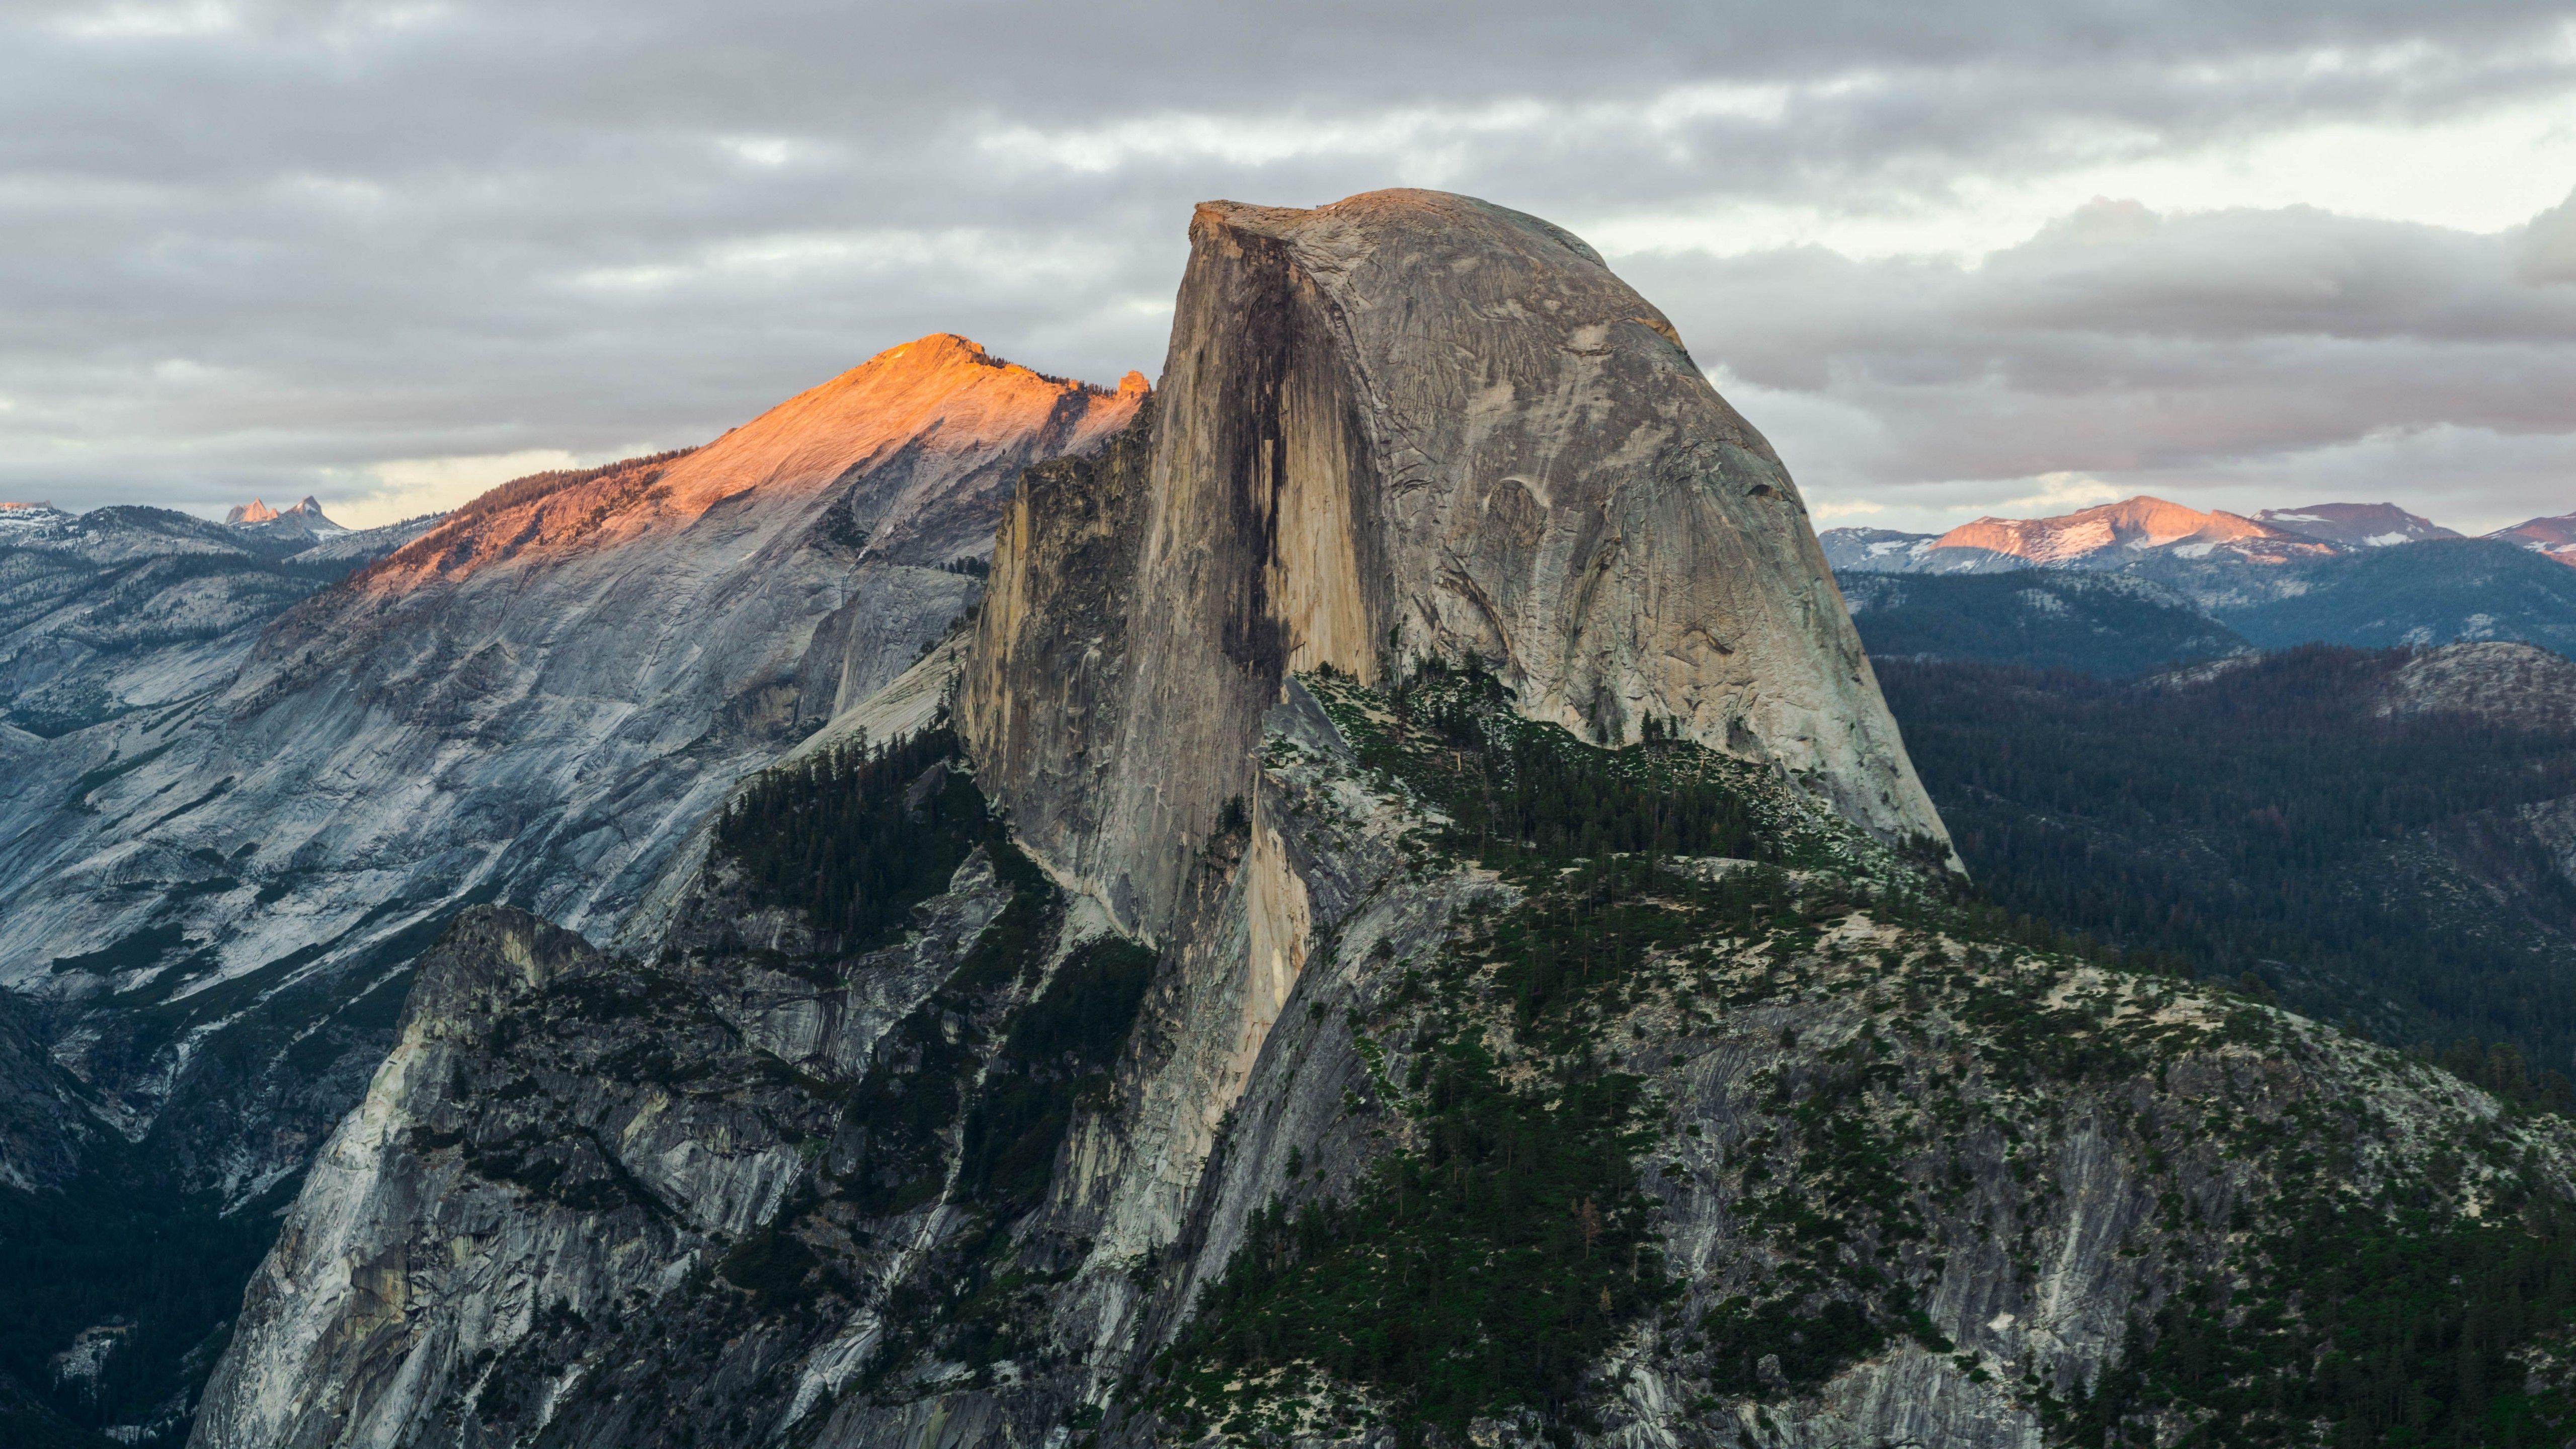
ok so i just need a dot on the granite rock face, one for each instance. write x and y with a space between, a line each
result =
127 608
538 702
1408 426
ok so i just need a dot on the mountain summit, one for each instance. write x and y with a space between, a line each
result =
305 518
2133 525
2552 538
1368 453
949 421
2355 525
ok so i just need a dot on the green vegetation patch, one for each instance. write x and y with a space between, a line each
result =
1484 1271
1059 1052
1042 1062
121 1244
923 1077
855 837
143 948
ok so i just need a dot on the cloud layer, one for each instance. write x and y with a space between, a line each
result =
386 253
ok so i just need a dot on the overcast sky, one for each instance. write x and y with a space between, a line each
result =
1953 259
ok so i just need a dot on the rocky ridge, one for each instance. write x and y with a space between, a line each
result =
2355 525
1377 955
540 699
2121 535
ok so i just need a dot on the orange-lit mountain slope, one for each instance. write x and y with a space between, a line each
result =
949 408
2135 524
538 701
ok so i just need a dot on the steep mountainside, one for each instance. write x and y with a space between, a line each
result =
2109 625
216 901
1334 979
119 609
2384 836
1565 1130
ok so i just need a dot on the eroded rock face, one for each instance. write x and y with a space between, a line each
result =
1405 426
539 701
526 1162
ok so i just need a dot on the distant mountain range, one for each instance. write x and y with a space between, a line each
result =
125 608
2117 535
2131 586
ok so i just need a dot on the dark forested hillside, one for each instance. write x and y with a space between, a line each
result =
2407 869
2433 592
2101 624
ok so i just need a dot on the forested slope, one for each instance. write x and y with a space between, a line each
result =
2404 867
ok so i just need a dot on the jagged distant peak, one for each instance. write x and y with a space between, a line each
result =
2551 538
2355 525
306 516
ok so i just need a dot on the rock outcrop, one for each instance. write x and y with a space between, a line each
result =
1407 426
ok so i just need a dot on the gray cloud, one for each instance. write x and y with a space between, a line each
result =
2226 356
271 247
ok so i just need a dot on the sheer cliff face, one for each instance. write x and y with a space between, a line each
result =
1412 425
538 701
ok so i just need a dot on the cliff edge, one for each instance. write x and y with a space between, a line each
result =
1407 426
